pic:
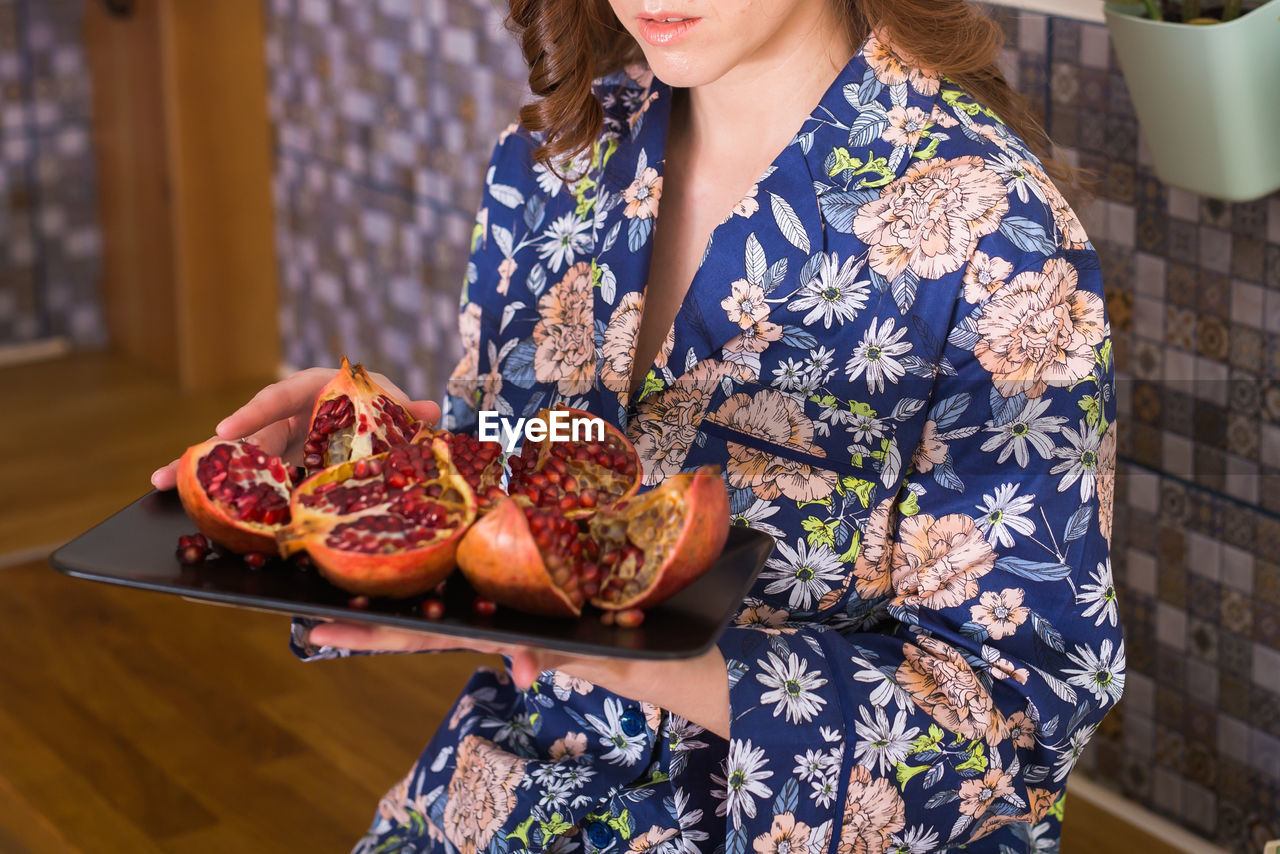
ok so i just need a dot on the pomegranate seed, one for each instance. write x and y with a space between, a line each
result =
606 618
484 607
630 618
360 603
255 560
433 609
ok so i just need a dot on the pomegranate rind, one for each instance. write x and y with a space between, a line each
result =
703 533
354 382
210 517
500 559
396 575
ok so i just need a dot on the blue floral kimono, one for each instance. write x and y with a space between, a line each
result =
896 347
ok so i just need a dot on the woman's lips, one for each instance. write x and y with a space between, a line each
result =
659 32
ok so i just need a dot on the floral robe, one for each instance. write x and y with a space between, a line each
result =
896 347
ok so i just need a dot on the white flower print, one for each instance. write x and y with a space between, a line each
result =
567 237
626 749
1079 460
818 364
876 356
1003 512
918 840
1015 177
1030 427
833 294
1100 672
1066 761
789 375
887 688
742 781
811 766
881 743
688 820
792 687
805 573
1101 595
756 514
824 791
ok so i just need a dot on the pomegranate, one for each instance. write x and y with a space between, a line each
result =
479 462
236 494
626 557
385 525
576 477
523 556
655 544
192 549
354 417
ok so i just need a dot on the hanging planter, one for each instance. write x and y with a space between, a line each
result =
1205 94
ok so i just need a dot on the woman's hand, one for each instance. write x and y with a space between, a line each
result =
696 689
278 417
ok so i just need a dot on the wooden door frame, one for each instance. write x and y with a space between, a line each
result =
185 158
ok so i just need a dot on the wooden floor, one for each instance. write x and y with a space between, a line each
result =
136 722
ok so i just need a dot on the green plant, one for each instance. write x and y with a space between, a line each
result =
1184 11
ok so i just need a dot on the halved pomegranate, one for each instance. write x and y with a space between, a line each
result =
354 417
236 494
525 557
655 544
385 525
577 477
479 462
633 554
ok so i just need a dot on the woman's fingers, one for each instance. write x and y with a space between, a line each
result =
426 411
277 402
166 477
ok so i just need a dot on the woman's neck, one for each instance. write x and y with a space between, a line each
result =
753 110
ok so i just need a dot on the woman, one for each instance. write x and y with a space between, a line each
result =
891 335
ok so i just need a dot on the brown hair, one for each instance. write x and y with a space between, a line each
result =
568 43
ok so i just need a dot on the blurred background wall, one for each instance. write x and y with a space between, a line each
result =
385 115
50 249
1194 300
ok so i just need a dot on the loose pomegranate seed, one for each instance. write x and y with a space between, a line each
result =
433 609
255 560
630 618
360 603
606 618
484 607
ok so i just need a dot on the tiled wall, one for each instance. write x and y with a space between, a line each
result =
386 112
50 246
1194 299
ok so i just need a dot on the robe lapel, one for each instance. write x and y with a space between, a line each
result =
724 298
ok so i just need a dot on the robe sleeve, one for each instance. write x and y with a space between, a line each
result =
949 687
497 231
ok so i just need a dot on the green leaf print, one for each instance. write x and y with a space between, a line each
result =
522 831
909 507
859 487
905 772
555 826
855 548
976 761
820 533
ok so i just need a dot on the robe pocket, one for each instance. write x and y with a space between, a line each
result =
773 443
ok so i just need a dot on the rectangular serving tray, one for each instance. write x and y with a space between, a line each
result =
135 548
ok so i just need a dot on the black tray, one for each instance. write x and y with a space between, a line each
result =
135 548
